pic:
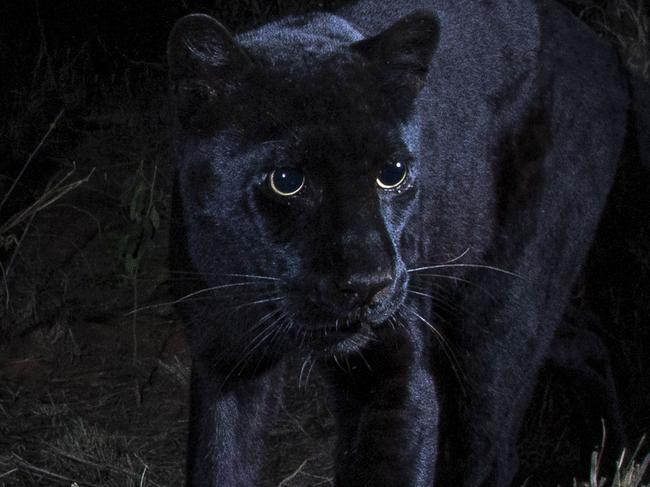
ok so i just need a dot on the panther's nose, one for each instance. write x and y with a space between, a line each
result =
365 289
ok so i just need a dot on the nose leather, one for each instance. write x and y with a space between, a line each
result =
365 289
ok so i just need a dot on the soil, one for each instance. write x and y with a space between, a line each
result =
74 407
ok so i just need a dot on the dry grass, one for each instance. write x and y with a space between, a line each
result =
630 471
83 454
15 228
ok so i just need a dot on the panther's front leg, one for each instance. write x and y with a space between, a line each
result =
387 414
227 426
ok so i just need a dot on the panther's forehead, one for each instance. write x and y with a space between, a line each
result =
335 149
336 103
295 39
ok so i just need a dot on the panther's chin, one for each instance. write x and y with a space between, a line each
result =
339 342
342 338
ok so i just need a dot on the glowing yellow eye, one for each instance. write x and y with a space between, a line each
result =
286 181
392 175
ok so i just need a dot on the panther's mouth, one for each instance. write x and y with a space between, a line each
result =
321 327
334 328
344 334
342 328
352 322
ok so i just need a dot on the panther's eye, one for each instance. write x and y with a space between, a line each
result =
392 175
286 181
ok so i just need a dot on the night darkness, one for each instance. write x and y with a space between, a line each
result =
93 394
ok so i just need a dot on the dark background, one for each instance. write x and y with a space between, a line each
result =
93 394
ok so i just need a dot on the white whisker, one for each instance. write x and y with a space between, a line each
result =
302 370
444 276
338 364
363 358
448 351
311 367
456 259
191 295
259 339
212 274
269 328
251 276
456 279
260 301
473 266
443 304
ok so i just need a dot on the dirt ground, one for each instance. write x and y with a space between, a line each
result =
74 408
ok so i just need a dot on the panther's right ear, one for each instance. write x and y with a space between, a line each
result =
199 47
202 57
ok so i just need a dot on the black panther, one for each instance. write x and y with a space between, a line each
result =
404 191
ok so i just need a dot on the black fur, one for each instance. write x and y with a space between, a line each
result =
445 293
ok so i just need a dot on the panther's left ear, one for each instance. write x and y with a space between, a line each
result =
403 51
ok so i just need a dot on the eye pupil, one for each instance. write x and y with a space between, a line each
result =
392 175
287 181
